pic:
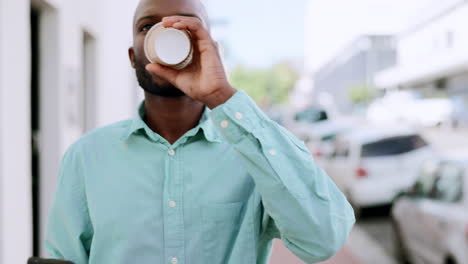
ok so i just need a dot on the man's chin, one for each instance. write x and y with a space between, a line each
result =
167 91
154 85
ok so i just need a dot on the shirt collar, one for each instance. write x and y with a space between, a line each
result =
205 124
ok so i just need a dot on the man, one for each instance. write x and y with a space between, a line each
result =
199 176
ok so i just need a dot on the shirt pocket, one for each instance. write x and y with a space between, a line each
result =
221 231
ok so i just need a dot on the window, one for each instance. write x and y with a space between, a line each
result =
88 92
311 115
393 146
328 137
448 185
427 175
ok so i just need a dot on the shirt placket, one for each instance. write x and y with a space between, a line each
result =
173 209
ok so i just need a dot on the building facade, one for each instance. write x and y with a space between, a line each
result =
64 70
354 67
433 54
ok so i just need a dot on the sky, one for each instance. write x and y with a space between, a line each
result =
259 33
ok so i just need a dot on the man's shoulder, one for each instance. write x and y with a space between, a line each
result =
102 136
112 131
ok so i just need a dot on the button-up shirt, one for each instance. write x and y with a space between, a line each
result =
218 195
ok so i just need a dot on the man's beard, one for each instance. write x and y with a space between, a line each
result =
145 79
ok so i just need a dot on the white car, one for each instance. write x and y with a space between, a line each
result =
320 138
431 220
372 166
410 108
305 120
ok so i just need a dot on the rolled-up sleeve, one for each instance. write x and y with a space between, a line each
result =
312 216
69 230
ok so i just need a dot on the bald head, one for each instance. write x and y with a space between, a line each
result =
162 8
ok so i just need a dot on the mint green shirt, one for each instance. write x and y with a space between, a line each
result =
218 195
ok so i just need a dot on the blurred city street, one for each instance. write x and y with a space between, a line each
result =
389 125
376 89
376 223
373 238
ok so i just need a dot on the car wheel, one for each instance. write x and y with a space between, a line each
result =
401 252
357 209
450 260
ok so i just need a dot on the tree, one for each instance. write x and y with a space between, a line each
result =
361 94
265 86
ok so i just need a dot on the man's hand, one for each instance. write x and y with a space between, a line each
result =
205 79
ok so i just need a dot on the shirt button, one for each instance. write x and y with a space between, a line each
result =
224 124
172 204
174 260
171 152
239 116
273 152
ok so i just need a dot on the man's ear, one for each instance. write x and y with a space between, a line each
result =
131 56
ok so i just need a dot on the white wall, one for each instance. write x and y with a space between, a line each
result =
431 40
110 25
15 169
435 49
332 24
62 26
115 97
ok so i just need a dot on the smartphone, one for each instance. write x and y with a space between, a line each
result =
34 260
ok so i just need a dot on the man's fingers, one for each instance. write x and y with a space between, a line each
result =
192 24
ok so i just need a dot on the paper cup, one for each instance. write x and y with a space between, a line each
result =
169 46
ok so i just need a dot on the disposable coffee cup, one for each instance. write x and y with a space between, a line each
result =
169 46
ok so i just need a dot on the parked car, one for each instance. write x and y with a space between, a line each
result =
320 138
372 166
431 219
304 120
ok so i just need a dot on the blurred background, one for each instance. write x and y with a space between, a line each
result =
378 90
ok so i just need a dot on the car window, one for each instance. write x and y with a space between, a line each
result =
311 115
426 179
448 186
393 146
328 137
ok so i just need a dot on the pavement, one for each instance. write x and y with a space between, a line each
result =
282 255
361 248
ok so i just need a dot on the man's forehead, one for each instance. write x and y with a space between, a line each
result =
169 7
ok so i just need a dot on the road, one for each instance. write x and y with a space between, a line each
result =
376 224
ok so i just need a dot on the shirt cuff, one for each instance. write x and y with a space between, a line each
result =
237 117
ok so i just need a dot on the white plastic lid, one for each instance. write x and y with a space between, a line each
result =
172 46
